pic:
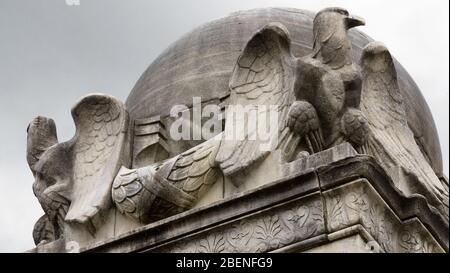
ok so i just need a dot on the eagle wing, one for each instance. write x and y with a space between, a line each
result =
97 148
168 187
391 141
382 101
263 76
195 170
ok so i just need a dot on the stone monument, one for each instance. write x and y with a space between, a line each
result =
321 142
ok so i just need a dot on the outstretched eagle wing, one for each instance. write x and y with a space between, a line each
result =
391 141
195 170
261 85
382 101
96 149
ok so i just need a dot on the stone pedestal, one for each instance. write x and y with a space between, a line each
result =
333 201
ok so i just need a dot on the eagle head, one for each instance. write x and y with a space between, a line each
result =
331 44
49 160
338 17
41 135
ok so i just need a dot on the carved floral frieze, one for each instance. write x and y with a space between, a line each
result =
352 204
262 232
358 203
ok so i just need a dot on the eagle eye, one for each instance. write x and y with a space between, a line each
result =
343 12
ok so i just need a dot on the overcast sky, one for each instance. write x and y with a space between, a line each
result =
52 53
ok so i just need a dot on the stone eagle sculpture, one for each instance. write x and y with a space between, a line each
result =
326 84
73 179
319 101
265 76
390 140
328 80
262 77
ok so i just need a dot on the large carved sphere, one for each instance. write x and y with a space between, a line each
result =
201 62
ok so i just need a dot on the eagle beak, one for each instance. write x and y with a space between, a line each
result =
354 21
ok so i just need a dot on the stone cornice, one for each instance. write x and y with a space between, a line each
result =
267 204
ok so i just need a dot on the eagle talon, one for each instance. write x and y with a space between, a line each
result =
304 122
354 126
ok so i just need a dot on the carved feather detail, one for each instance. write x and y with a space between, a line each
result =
263 76
101 123
391 141
149 193
73 179
196 170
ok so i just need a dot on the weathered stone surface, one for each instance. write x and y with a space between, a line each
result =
294 218
353 193
390 139
330 81
337 163
73 179
150 142
165 188
358 203
355 167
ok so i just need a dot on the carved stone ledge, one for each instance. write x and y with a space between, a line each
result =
352 209
200 219
149 142
348 199
362 166
343 199
263 231
358 203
